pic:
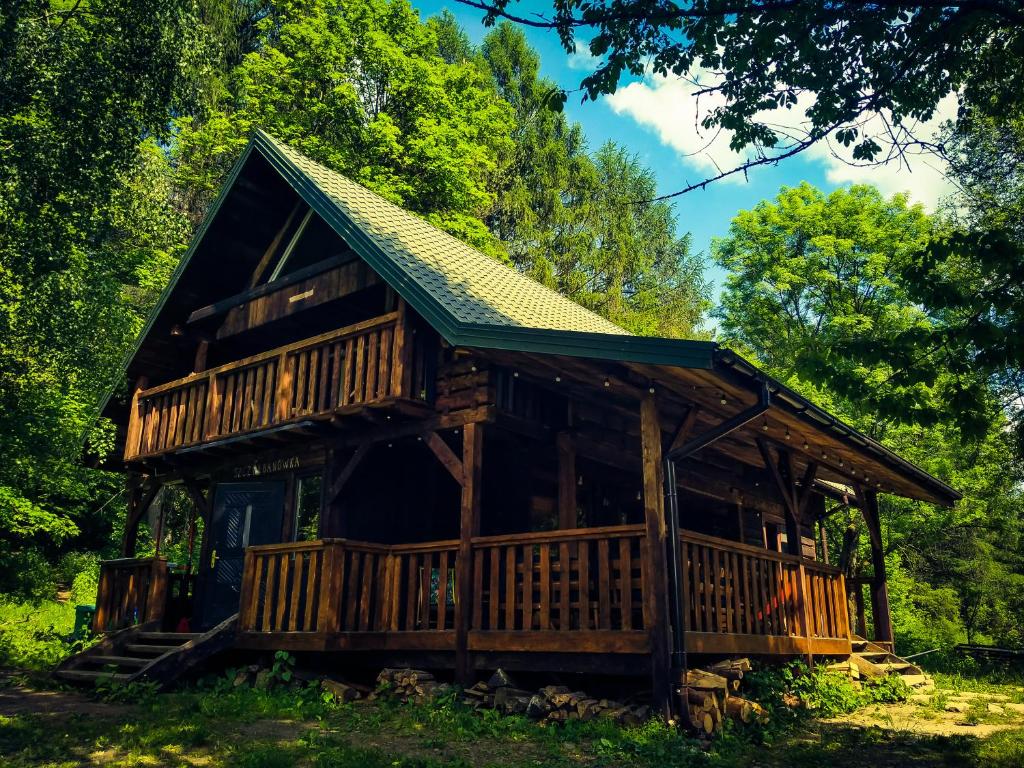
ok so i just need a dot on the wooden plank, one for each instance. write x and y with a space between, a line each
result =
446 456
494 590
527 597
442 590
604 597
412 580
333 398
684 581
553 641
354 581
282 592
384 369
372 362
736 587
359 373
510 587
366 596
267 620
381 593
347 374
544 584
626 582
585 622
428 563
564 580
478 588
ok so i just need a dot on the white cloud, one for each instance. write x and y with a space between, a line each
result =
670 108
582 59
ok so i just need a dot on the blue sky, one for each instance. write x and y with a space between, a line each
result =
655 120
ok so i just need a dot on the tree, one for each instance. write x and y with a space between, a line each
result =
578 222
361 87
80 84
842 61
812 276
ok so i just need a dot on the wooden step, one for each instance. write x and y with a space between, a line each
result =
118 661
168 637
91 676
148 650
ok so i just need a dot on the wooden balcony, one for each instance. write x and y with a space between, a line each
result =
341 371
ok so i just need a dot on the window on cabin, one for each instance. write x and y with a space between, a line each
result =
313 242
308 495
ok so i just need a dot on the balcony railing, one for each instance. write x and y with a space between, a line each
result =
353 366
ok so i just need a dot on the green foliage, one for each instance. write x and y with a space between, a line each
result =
814 278
820 692
35 636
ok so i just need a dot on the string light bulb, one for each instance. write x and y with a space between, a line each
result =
558 379
806 445
764 426
607 383
788 436
723 400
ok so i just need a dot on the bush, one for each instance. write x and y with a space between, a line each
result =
35 635
823 692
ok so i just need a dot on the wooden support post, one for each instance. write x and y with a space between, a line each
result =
566 481
334 525
656 581
879 586
136 420
469 526
285 385
139 498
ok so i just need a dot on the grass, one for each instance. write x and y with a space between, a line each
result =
217 725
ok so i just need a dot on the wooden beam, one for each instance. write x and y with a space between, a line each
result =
566 481
882 617
139 500
268 254
446 456
685 428
346 472
469 527
806 488
783 476
656 614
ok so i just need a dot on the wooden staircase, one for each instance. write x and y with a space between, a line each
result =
145 654
873 660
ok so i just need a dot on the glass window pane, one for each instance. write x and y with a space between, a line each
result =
307 507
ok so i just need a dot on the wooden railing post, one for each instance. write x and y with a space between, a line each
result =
246 619
103 598
805 613
283 396
156 600
214 398
331 572
136 421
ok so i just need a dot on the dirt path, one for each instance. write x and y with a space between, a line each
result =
18 699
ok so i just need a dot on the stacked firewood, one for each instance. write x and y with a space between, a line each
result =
413 685
711 697
553 703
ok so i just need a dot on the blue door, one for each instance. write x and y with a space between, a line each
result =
244 515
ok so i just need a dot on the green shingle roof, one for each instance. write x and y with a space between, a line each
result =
471 286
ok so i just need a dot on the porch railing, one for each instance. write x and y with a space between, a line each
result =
581 579
355 365
562 591
736 589
131 591
337 585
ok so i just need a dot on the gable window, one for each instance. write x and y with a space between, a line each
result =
308 497
313 241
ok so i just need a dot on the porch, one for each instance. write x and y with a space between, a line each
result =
580 591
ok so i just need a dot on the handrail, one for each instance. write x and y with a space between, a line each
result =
340 333
568 534
288 546
748 549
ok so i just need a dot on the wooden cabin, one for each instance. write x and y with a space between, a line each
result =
401 450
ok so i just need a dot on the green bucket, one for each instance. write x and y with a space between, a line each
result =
83 620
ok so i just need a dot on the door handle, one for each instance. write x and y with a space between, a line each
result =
213 559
